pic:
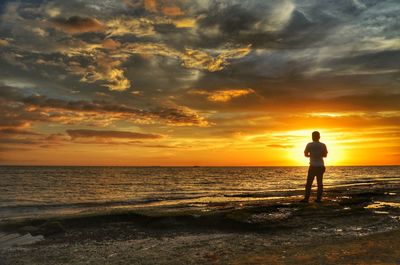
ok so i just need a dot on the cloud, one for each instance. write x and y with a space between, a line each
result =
103 55
16 141
203 60
4 42
94 63
21 110
379 44
192 59
172 11
222 95
129 26
184 22
77 24
105 61
108 70
150 5
110 134
255 22
13 131
284 146
110 44
165 7
15 137
181 117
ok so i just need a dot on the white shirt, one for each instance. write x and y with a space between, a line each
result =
317 153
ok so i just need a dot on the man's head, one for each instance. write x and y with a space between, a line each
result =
315 136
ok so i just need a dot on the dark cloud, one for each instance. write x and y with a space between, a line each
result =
14 115
271 24
14 137
373 61
110 134
13 131
16 141
172 116
77 24
231 19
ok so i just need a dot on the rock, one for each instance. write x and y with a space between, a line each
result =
51 228
33 230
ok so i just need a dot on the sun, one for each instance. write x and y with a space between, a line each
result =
299 139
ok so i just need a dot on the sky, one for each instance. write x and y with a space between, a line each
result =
199 82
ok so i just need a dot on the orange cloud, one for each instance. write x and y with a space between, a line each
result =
111 44
150 5
165 7
4 42
172 11
223 95
124 26
132 3
184 23
203 60
107 69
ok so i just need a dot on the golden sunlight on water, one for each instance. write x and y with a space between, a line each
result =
337 154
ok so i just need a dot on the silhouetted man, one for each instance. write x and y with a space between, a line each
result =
316 151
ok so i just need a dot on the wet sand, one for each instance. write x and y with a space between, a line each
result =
349 227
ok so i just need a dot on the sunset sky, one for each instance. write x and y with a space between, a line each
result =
199 82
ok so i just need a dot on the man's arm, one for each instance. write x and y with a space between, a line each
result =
325 152
307 151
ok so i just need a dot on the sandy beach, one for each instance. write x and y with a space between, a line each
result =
349 227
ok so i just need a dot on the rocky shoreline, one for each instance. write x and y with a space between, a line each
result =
258 232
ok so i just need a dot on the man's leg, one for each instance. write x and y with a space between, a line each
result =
310 179
320 183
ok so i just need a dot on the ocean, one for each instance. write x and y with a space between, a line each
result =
43 191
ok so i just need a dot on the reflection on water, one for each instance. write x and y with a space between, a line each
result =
26 191
391 208
381 204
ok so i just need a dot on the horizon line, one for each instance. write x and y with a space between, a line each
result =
18 165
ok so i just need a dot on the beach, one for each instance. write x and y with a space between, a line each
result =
351 226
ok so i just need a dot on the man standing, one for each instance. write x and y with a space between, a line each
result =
316 151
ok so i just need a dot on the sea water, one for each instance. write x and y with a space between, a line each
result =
33 191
